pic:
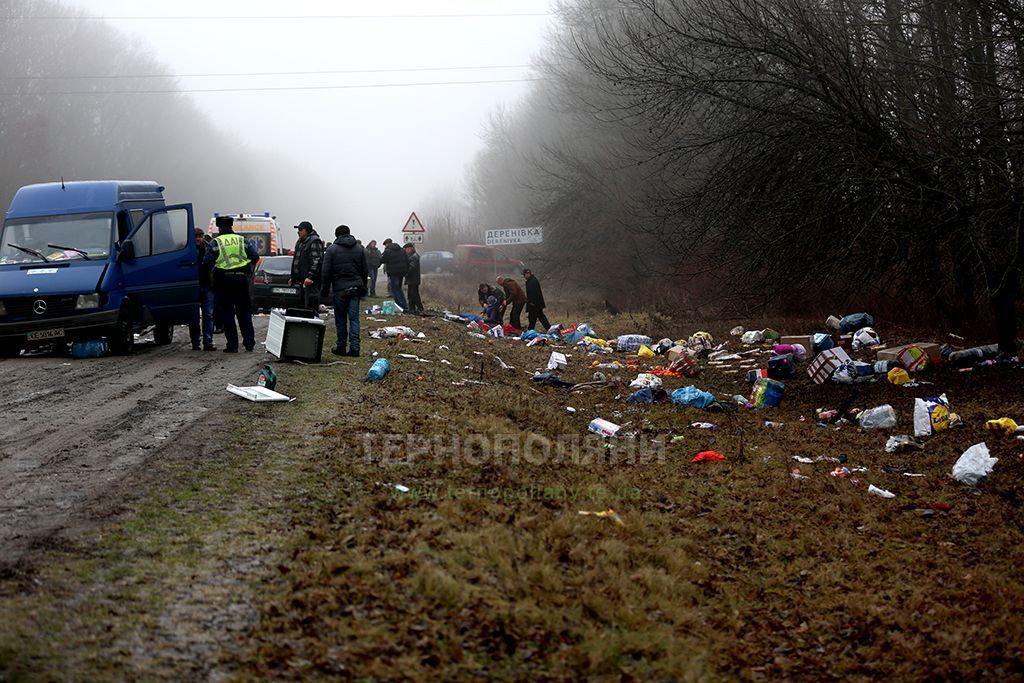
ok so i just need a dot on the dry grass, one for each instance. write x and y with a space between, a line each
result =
721 570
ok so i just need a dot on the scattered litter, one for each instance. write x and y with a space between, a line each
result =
882 417
503 364
902 442
267 378
874 490
557 361
931 415
974 465
258 394
570 410
609 513
1003 425
703 425
706 456
603 427
692 397
378 370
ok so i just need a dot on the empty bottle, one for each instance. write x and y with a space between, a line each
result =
378 370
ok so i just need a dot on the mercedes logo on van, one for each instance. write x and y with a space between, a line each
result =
39 306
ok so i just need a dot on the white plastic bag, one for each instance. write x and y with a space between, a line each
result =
865 336
752 337
874 490
931 415
974 465
646 380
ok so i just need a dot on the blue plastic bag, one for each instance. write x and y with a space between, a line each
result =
378 370
693 397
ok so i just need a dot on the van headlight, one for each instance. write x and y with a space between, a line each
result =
87 301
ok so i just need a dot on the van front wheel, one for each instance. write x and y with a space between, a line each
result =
122 337
163 334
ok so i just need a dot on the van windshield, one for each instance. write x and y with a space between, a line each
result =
87 236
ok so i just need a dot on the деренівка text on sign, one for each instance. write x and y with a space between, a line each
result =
514 236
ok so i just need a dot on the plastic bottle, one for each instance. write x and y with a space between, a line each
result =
378 370
267 378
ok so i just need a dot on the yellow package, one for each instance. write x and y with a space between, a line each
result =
645 352
1003 424
898 376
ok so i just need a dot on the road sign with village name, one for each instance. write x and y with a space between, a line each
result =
413 231
533 235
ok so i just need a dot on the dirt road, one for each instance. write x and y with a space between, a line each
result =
74 432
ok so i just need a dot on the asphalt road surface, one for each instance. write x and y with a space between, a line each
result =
74 432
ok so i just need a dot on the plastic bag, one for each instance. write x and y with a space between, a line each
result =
646 380
692 397
752 337
767 393
1004 425
974 465
882 417
898 376
931 415
865 336
855 321
631 342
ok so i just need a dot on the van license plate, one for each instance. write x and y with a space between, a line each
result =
55 333
282 290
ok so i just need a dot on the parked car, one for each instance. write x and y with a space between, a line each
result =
82 260
483 261
270 288
437 262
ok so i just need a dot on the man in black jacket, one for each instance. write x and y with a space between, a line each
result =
372 265
306 265
396 263
412 278
534 301
344 271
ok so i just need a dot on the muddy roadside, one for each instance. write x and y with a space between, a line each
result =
78 436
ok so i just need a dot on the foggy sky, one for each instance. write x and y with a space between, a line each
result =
381 151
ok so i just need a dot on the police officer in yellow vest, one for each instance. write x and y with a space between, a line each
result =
232 259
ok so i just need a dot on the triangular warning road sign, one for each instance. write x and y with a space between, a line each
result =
413 224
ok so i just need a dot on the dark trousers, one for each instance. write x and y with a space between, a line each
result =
311 298
373 281
231 291
513 317
201 327
415 303
537 314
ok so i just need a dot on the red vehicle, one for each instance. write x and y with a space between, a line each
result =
480 260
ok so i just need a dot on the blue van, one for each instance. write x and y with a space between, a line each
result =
81 260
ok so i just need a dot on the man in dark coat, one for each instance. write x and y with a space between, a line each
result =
306 265
344 271
412 278
534 301
373 265
396 263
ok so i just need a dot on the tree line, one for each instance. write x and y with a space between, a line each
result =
124 135
737 150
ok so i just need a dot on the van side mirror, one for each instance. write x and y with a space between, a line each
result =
127 252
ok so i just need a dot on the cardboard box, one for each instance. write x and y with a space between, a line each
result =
825 363
674 353
893 352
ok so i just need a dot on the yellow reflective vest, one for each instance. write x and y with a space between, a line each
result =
230 252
